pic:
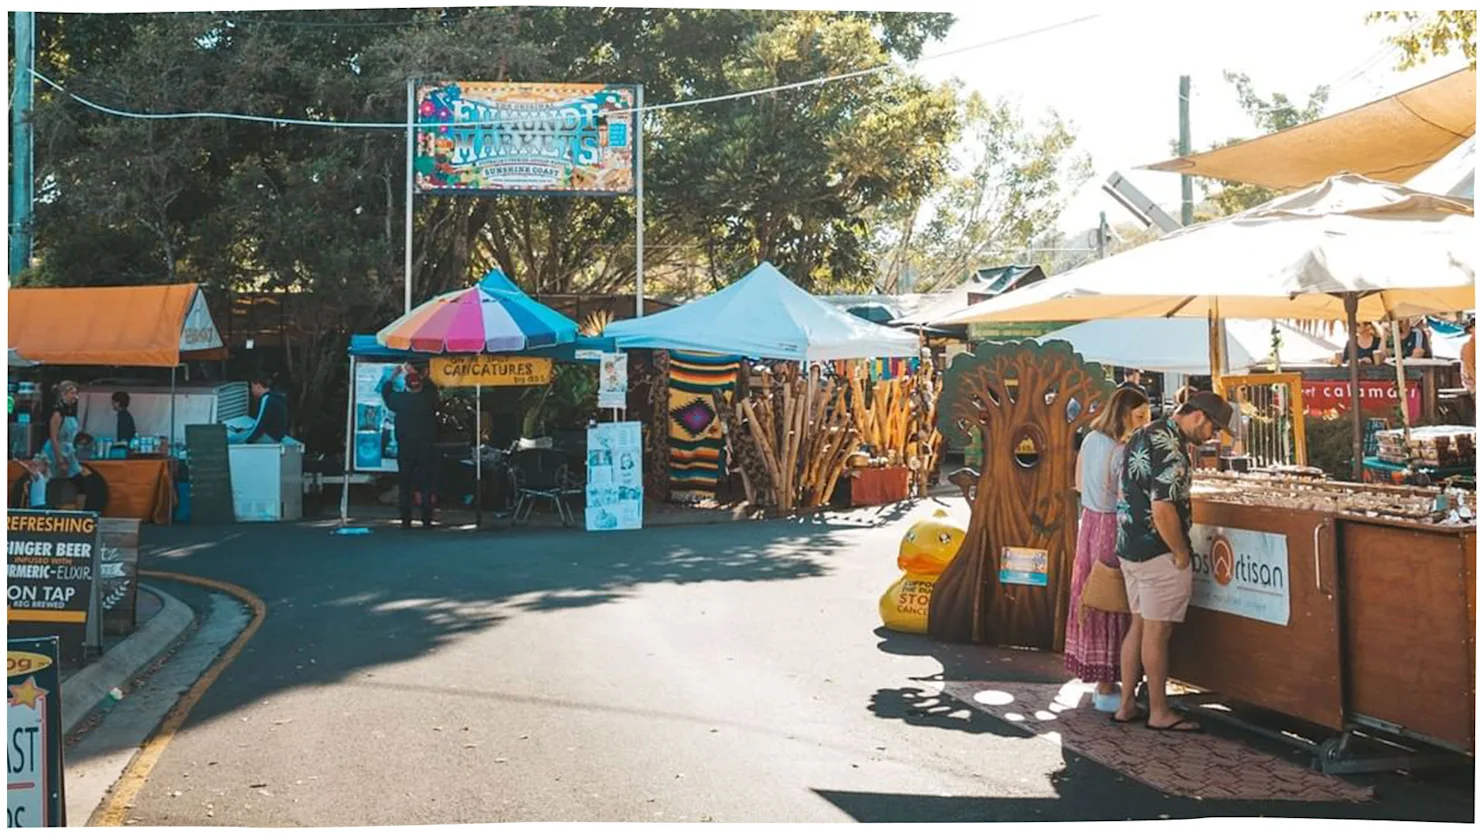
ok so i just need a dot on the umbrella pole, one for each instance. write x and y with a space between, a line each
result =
1349 300
478 458
1402 382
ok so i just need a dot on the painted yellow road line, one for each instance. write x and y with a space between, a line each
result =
115 810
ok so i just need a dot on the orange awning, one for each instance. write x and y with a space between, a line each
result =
126 326
1392 139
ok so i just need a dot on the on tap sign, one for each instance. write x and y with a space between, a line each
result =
52 561
1325 397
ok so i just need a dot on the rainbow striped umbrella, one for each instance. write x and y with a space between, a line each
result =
493 317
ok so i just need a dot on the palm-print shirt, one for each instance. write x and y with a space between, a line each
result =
1157 468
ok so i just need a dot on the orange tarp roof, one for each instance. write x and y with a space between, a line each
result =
127 326
1392 139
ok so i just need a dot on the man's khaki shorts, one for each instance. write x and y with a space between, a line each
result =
1156 589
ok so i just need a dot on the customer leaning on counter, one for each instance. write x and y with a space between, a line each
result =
272 415
1154 521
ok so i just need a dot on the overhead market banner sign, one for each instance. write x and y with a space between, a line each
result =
491 371
486 137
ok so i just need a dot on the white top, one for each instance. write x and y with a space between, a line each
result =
1100 460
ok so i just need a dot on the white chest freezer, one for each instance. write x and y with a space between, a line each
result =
267 482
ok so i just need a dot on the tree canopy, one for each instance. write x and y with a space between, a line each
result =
1431 34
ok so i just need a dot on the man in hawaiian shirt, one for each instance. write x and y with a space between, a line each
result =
1154 518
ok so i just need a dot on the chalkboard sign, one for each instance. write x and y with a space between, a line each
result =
210 475
52 563
33 729
118 575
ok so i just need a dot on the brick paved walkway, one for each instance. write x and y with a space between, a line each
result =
1201 765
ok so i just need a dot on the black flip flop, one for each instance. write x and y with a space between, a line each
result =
1141 715
1173 727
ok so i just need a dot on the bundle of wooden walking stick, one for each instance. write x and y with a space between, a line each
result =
795 435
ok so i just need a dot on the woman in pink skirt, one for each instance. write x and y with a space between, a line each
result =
1092 638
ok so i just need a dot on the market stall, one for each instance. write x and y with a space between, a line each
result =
793 426
470 337
1295 596
138 327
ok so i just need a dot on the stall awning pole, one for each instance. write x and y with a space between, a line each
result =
170 463
1402 382
349 438
1349 300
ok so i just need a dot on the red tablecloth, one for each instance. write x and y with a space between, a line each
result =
139 489
877 487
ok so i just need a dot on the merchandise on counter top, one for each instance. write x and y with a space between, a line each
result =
1436 446
1446 507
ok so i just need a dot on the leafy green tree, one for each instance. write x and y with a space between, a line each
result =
1435 34
1010 184
1275 113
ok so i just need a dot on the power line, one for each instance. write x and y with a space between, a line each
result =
427 125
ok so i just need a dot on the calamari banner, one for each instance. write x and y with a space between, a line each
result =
525 138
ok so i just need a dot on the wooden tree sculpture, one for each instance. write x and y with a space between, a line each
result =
1028 400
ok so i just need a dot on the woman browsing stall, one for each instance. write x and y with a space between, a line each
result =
1099 617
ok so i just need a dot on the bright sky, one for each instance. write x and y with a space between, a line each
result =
1115 77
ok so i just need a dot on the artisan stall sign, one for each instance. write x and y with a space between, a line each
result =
1242 573
52 563
1023 566
1328 397
33 730
491 371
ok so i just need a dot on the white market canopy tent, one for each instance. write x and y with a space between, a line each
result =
1403 252
1452 176
1180 345
763 315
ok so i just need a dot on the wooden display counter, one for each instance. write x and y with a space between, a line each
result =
1409 621
1294 669
1380 624
879 487
140 488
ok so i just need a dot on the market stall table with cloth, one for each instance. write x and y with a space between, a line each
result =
142 489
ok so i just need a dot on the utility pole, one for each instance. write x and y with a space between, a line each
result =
1104 233
1184 142
21 177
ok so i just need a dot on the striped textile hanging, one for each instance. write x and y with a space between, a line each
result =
696 439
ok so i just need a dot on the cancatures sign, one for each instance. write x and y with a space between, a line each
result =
484 137
490 371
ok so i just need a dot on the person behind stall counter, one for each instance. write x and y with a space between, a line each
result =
1369 346
272 416
1467 357
1154 519
1414 341
126 429
415 408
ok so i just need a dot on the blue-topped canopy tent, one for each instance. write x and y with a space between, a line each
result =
493 316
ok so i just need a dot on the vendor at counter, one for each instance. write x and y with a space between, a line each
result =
126 429
272 416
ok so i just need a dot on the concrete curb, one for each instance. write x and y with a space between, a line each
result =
84 691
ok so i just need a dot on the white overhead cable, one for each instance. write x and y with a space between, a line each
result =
427 125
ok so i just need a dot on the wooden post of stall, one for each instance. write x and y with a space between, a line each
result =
1349 300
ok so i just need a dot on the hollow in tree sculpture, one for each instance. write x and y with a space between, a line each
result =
1028 400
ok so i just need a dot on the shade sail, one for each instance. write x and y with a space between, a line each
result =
125 326
1391 139
1407 253
763 315
1180 345
493 317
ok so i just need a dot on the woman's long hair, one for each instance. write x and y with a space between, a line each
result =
59 392
1115 421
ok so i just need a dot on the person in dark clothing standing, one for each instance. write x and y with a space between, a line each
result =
416 431
272 415
126 429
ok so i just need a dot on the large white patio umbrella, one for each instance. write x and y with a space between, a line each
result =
1350 248
1174 345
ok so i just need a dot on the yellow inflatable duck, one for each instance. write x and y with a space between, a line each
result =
928 547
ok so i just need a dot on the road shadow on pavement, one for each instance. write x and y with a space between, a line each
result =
339 605
1086 789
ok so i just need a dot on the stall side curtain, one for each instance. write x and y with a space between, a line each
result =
696 436
884 370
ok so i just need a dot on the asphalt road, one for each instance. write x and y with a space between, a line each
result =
724 673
